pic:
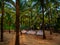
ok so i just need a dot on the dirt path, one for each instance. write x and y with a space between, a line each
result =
8 39
12 41
36 40
26 39
32 40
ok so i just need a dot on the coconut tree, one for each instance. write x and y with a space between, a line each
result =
17 22
2 21
50 5
42 4
9 21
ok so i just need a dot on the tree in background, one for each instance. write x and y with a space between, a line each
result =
42 4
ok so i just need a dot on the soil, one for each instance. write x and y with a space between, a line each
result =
26 39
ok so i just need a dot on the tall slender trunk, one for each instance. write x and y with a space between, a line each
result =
29 22
31 19
49 16
9 27
56 14
42 3
50 22
17 23
2 21
44 37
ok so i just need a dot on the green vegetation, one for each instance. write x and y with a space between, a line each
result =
32 13
29 14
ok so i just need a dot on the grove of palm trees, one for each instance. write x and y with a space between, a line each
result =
29 22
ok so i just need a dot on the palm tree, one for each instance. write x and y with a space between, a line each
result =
49 5
2 21
50 15
42 4
17 22
9 23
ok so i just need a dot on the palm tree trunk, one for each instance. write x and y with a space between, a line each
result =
42 3
49 17
29 22
31 19
9 27
2 21
17 23
50 22
44 37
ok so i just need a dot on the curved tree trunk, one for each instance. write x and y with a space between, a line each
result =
2 21
17 23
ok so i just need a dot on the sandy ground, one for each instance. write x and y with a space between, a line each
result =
25 39
37 40
7 38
